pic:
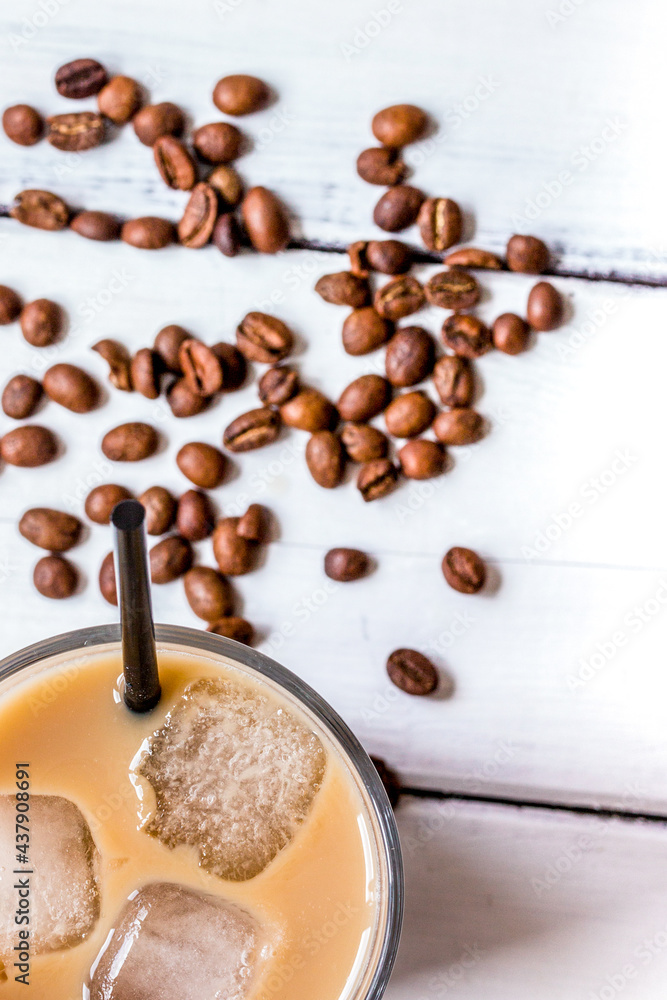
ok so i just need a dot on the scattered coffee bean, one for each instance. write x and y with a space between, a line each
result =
240 94
440 223
412 672
364 398
399 298
76 131
227 235
234 366
156 120
21 397
168 343
461 426
107 580
72 388
148 233
233 627
422 459
545 307
376 479
10 305
218 142
196 226
202 464
466 335
264 338
265 220
55 577
169 559
160 507
325 459
183 401
464 570
277 385
80 78
208 593
195 518
251 430
344 289
527 254
511 334
96 226
145 372
176 166
50 529
454 380
120 99
310 411
226 181
357 253
364 331
346 565
29 446
389 780
410 356
389 256
409 415
118 358
130 442
399 125
363 443
42 322
101 501
40 209
381 165
23 124
398 208
472 257
234 554
453 289
201 367
255 524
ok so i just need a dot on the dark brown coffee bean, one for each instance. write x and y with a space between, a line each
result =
527 254
145 371
96 226
461 426
453 289
50 529
23 124
80 78
410 356
118 358
310 411
255 524
196 226
233 627
399 298
346 565
107 580
466 335
264 338
168 343
29 446
72 388
21 397
389 780
364 331
55 577
226 181
183 401
464 570
410 414
195 518
399 125
234 366
381 165
412 672
364 398
265 220
545 307
325 459
10 305
156 120
208 593
160 507
422 459
120 99
454 380
277 385
42 322
251 430
234 554
201 367
101 501
218 142
472 257
130 442
202 464
398 208
176 166
227 235
169 559
440 223
40 209
511 334
240 94
389 256
344 289
376 479
148 233
75 132
363 443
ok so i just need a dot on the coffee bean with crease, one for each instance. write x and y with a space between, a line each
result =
169 559
440 223
204 465
168 342
264 338
377 479
381 165
309 410
344 289
473 257
80 78
201 368
146 370
389 256
118 358
160 507
364 398
195 517
252 430
412 672
346 565
196 226
40 209
71 387
101 501
364 443
464 570
234 554
466 335
398 208
76 131
357 253
21 397
364 330
100 226
174 162
234 366
453 289
410 414
422 459
399 298
410 356
277 385
325 459
460 426
183 401
511 334
208 593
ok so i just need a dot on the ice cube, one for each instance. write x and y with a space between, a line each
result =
173 943
234 776
64 894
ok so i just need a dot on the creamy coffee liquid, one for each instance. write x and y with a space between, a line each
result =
316 902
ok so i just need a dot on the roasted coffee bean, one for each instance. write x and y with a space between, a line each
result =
101 501
398 208
96 226
183 401
277 385
358 263
72 388
168 343
252 430
218 142
195 518
196 226
264 338
29 446
10 305
120 99
204 465
422 459
344 289
169 559
148 233
75 132
389 780
399 298
399 125
233 627
461 426
466 335
50 529
201 367
227 235
310 411
365 330
40 209
464 570
453 289
364 398
145 371
226 181
21 397
410 356
176 166
527 254
363 443
381 165
376 479
454 380
118 358
23 124
160 507
55 577
240 94
156 120
389 256
472 257
80 78
107 580
265 220
346 565
440 223
410 414
234 554
325 459
545 307
208 593
511 334
42 322
234 366
412 672
255 524
130 442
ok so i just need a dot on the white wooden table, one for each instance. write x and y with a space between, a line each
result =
550 119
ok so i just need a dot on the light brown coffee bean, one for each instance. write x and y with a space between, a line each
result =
40 209
265 220
344 289
422 459
50 529
440 223
357 253
227 235
42 322
398 208
156 120
80 78
23 124
195 518
527 254
175 164
400 124
120 99
264 338
410 356
160 507
251 430
466 335
101 501
72 388
364 398
409 415
10 305
202 464
55 577
131 442
99 226
277 385
107 580
399 298
511 334
168 343
310 411
201 367
389 256
145 371
196 226
118 358
454 380
346 565
21 397
234 366
148 233
363 443
226 181
169 559
75 132
208 593
381 165
464 570
29 446
183 401
325 459
461 426
377 479
255 524
545 307
218 142
240 94
364 330
473 257
234 554
453 289
233 627
412 672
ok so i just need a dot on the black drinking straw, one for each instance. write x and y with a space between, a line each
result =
142 683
